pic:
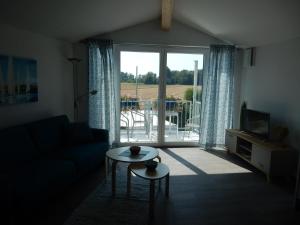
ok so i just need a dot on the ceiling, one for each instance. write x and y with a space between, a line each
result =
240 22
243 22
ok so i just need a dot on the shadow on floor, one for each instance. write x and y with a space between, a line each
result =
208 195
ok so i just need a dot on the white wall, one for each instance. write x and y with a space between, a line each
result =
237 88
151 33
273 85
54 73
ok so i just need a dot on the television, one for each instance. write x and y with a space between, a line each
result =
256 123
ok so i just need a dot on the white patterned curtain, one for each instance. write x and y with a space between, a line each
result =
217 97
102 106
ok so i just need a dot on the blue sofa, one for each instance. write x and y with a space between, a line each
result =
41 159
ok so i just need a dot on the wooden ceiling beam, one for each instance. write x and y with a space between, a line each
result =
166 14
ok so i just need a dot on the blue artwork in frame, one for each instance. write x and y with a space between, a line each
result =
18 80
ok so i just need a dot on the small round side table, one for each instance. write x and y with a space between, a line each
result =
122 154
140 170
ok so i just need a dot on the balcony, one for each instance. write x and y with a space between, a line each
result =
139 121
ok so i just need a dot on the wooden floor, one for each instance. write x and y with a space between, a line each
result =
206 187
216 188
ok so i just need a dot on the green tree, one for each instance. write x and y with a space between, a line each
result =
150 78
188 94
127 77
183 77
170 76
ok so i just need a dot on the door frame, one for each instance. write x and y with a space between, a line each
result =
163 50
184 50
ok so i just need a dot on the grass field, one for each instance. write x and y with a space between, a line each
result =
150 91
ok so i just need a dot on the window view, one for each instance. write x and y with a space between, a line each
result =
183 97
139 77
139 92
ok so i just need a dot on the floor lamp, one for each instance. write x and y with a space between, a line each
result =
75 62
80 97
77 97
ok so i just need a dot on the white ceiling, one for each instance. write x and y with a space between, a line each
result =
241 22
77 19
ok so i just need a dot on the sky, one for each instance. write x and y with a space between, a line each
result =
149 61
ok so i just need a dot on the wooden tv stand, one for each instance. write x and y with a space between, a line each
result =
270 158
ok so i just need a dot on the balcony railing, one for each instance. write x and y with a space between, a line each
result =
140 117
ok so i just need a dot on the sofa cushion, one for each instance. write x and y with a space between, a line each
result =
35 183
16 147
48 134
78 133
86 157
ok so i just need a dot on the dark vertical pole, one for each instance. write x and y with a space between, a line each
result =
75 84
113 178
151 204
106 168
167 185
74 62
128 180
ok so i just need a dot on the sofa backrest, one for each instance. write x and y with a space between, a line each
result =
48 134
16 147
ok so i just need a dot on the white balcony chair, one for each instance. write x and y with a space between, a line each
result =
142 117
192 124
125 121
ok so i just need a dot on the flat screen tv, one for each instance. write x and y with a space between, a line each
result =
256 123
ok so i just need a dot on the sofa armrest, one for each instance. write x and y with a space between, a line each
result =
101 135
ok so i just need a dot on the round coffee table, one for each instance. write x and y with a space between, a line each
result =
140 170
123 155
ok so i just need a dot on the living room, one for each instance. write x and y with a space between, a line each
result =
54 48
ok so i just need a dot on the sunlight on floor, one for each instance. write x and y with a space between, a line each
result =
176 167
193 161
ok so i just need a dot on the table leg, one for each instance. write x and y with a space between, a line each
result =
177 122
159 160
128 180
151 203
170 120
113 177
106 168
167 185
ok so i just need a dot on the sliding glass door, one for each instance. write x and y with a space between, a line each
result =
183 97
139 82
160 95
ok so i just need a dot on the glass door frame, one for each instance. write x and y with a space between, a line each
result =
183 50
163 51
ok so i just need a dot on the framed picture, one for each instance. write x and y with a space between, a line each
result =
18 80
